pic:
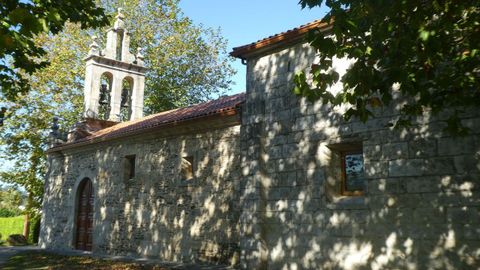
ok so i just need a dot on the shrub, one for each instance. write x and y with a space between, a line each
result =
17 240
34 229
5 212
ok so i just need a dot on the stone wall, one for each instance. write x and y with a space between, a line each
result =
157 214
421 207
268 190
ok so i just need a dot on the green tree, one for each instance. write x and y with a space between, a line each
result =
21 21
429 48
186 64
10 201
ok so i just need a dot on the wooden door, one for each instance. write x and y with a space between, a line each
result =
84 216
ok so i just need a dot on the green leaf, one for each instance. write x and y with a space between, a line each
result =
431 50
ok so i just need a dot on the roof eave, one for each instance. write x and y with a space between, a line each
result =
278 41
230 112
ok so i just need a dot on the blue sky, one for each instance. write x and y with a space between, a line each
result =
246 21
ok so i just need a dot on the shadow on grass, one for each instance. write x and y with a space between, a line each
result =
45 260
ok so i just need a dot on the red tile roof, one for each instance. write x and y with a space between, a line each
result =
286 37
220 106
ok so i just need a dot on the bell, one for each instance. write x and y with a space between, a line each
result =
125 98
103 94
2 115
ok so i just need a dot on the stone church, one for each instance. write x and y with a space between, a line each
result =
262 179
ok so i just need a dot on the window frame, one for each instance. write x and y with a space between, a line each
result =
191 160
343 182
129 172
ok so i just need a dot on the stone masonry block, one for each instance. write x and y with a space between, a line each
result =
457 146
274 105
275 152
376 169
278 140
290 150
464 215
430 184
406 167
395 150
372 152
303 123
422 148
467 164
473 124
429 216
287 179
387 186
295 137
440 166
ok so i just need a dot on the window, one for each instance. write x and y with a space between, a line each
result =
353 174
129 167
186 168
344 170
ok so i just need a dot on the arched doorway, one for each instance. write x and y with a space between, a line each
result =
84 215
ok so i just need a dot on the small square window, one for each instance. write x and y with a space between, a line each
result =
129 167
344 170
186 168
353 173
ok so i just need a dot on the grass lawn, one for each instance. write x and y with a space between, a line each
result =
10 225
44 260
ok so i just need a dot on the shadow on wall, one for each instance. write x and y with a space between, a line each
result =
164 215
158 212
272 199
421 204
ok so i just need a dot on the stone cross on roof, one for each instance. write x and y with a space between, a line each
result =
119 23
118 43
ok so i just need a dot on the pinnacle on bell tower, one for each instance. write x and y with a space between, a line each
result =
114 77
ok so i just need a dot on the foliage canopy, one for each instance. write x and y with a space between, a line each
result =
21 21
10 201
430 49
186 63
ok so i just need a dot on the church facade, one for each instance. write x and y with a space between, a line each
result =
260 180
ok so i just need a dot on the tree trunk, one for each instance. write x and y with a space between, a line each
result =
26 225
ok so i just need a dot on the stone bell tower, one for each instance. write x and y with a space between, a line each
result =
114 78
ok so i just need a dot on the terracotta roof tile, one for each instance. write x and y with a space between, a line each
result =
278 39
153 121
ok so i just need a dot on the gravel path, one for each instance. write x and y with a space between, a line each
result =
7 252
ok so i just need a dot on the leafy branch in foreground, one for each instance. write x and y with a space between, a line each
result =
21 21
426 50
